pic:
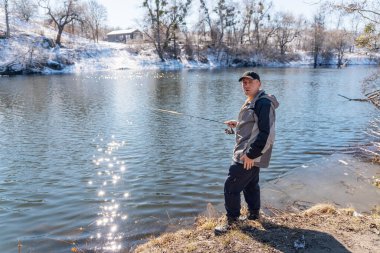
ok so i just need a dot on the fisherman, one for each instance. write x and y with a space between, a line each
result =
255 132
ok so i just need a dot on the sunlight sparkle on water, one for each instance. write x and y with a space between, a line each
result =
110 217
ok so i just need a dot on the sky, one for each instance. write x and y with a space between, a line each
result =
124 13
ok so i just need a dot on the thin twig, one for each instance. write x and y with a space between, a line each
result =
355 99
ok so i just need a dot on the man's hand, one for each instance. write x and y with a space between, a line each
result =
231 123
248 162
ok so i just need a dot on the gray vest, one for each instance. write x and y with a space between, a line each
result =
247 131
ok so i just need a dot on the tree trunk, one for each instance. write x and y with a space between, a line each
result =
257 35
158 39
315 58
175 46
59 35
72 28
160 53
340 59
249 31
97 33
8 33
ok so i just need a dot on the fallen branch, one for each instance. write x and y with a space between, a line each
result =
355 99
374 97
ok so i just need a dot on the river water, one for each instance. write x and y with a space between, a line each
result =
87 161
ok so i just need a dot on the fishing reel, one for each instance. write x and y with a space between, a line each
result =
229 130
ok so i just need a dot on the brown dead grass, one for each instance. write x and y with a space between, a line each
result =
376 181
320 209
324 227
376 159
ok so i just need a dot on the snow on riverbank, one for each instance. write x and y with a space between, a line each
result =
31 49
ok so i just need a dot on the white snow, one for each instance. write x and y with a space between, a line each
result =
28 46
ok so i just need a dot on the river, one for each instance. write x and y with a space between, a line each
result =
88 161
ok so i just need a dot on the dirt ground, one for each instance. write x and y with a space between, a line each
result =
322 228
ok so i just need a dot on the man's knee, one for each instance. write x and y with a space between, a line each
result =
233 186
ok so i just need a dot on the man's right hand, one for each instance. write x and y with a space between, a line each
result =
231 123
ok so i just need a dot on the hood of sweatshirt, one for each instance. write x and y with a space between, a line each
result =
261 94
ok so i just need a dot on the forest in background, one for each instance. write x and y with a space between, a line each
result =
230 30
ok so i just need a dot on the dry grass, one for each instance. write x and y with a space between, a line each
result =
320 209
324 227
376 211
376 181
347 211
376 159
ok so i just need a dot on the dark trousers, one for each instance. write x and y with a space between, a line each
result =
238 180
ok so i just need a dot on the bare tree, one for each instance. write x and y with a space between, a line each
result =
6 12
96 15
61 13
369 10
318 36
164 20
200 29
221 12
340 38
248 9
225 22
340 41
261 11
24 9
287 28
156 12
207 19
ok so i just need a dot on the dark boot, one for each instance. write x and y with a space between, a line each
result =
254 215
226 226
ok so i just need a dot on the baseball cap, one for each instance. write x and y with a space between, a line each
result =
251 75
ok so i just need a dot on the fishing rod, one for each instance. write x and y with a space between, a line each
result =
227 131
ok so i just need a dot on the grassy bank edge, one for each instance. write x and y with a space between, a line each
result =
318 229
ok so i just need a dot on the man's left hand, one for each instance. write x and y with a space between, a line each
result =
248 162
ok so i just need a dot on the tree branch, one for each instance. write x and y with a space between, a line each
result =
355 99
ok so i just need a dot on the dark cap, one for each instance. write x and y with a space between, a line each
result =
251 75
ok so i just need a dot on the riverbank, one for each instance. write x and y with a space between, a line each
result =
35 54
292 221
322 228
31 50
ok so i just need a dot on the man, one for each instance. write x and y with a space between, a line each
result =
255 132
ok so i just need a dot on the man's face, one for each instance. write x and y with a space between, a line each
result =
250 87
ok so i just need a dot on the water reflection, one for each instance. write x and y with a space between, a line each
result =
109 173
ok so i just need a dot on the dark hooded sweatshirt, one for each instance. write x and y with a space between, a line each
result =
255 131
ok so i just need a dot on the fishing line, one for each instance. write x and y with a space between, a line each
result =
227 131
